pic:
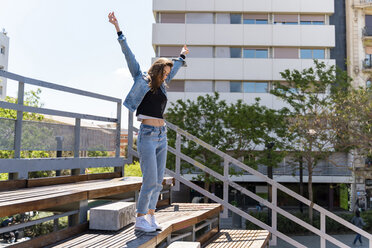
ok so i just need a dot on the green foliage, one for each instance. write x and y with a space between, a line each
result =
32 98
202 118
344 197
97 154
133 170
352 120
238 129
313 138
30 133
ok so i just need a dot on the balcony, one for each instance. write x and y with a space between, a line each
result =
242 68
367 65
364 4
367 36
284 6
243 34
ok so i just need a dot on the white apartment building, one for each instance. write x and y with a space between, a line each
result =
4 55
239 47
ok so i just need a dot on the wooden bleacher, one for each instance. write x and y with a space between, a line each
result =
57 196
240 238
180 221
173 222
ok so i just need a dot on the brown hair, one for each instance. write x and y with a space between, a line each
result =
156 72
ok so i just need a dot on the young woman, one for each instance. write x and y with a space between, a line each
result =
149 97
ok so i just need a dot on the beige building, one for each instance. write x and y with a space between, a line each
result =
4 55
359 40
359 58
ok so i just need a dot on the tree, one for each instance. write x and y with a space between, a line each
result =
310 114
240 129
30 134
202 118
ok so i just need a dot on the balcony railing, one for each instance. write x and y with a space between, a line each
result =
367 31
367 64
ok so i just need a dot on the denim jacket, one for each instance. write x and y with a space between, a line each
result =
140 86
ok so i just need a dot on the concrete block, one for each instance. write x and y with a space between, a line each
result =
184 244
112 216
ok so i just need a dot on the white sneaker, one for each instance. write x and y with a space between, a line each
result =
143 225
151 219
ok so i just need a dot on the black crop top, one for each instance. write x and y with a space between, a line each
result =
153 104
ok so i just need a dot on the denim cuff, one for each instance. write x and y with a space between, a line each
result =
182 60
121 37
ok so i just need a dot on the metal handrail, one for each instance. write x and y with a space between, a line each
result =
272 205
16 166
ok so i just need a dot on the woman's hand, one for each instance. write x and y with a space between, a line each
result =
185 50
114 21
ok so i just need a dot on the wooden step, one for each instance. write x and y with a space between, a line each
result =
239 238
174 220
48 197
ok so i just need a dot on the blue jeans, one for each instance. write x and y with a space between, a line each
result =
152 150
358 237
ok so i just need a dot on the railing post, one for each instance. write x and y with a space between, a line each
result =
178 160
274 201
118 134
18 133
226 163
76 171
130 137
322 229
59 140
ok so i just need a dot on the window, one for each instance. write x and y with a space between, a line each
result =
255 19
1 90
256 53
311 23
255 87
286 19
235 52
172 18
368 83
176 86
235 19
200 18
235 86
312 54
312 19
286 53
169 51
368 27
2 50
200 52
318 54
199 86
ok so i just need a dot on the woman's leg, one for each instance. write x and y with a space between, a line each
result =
161 159
147 153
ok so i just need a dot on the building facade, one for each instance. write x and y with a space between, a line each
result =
239 47
4 55
359 58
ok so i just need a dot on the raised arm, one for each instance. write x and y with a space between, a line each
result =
177 64
133 65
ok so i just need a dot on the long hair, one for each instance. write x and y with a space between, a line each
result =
156 72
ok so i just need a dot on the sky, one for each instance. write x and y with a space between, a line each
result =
71 42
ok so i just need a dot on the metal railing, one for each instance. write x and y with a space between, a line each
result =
228 182
19 168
